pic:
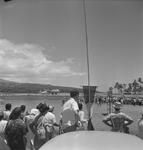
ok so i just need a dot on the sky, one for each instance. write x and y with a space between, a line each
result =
43 41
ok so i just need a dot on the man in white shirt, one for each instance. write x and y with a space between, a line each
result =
70 116
72 102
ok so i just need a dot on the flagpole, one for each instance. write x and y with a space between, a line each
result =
87 51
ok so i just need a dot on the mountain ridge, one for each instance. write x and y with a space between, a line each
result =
17 87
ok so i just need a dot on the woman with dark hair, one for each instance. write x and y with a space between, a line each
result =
23 108
16 130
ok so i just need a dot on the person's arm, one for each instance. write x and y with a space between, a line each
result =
54 122
128 120
107 121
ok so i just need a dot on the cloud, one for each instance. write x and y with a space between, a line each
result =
27 63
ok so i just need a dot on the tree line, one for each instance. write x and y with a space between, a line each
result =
134 87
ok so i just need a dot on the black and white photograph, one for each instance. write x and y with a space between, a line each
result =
71 74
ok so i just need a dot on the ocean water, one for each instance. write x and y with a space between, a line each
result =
31 101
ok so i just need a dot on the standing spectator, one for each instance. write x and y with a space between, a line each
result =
69 116
38 127
7 111
118 120
140 127
50 122
16 130
2 125
72 103
28 120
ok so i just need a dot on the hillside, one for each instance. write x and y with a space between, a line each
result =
15 87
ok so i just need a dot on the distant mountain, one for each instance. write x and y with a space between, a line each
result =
15 87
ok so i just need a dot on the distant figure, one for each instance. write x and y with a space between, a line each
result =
7 111
2 126
118 120
140 127
16 130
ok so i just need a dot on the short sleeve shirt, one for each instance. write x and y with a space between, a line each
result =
71 104
48 120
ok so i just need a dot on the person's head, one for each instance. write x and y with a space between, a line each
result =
15 114
43 108
1 115
75 94
117 106
51 108
38 106
23 107
8 106
34 112
80 106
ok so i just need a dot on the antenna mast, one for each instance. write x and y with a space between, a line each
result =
87 53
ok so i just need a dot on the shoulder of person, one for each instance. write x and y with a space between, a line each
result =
123 114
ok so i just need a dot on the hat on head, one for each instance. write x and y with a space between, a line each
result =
34 111
51 108
117 105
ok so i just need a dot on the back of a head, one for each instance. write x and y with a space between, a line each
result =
74 93
43 108
38 106
23 107
8 106
117 106
15 114
51 108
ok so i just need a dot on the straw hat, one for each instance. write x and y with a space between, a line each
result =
51 108
34 111
117 105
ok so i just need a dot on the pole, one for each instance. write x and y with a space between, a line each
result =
87 53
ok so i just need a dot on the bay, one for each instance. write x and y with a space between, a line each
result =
31 101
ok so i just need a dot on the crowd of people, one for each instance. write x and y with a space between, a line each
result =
22 130
126 100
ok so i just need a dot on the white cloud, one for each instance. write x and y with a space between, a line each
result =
27 63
